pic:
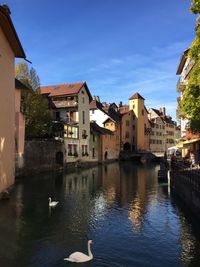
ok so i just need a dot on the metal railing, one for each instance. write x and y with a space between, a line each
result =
187 173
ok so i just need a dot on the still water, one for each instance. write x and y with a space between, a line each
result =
132 219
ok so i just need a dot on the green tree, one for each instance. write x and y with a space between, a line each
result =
38 120
190 101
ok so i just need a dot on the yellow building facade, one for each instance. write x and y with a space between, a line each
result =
10 48
136 103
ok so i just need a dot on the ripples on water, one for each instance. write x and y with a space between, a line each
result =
132 219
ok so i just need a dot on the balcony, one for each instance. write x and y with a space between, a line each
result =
181 84
68 121
65 103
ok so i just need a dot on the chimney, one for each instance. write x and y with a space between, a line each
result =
164 111
120 104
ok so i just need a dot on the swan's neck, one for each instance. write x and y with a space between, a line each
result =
89 250
49 200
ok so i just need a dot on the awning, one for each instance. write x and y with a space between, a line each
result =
172 148
180 145
188 142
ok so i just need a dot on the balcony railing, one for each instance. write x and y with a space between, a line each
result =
65 103
181 84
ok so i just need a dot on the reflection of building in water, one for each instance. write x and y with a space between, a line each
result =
111 182
139 203
134 187
82 182
136 213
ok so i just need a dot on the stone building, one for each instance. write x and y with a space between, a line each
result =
164 130
70 104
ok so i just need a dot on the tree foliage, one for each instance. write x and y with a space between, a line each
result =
195 6
190 100
34 105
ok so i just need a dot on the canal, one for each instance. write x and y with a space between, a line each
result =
132 219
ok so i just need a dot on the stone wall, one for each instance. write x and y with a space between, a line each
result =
40 155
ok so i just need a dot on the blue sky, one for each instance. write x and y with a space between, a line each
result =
118 47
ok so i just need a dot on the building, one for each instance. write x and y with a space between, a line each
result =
136 103
103 144
184 69
70 104
135 125
97 112
19 122
95 142
107 116
128 126
164 130
10 48
190 141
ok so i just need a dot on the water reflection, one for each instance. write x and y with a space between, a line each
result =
129 215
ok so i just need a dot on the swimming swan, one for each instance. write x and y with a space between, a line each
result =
52 203
79 256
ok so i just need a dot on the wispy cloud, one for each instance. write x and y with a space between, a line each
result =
115 79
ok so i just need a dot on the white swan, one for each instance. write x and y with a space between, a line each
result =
79 256
52 203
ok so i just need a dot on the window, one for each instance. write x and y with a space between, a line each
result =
142 112
70 132
69 150
83 117
93 152
57 115
84 134
75 150
127 135
84 150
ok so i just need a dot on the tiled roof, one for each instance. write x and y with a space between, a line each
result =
64 89
136 96
107 108
94 104
164 118
112 113
157 111
124 109
96 128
